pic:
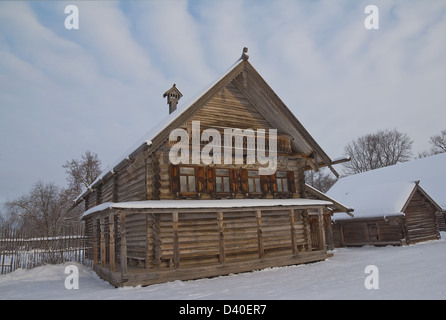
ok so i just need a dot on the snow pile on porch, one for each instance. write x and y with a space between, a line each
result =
191 204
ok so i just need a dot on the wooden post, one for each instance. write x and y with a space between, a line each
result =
176 245
103 254
156 240
307 232
148 253
111 224
405 231
95 241
322 240
342 234
293 232
328 232
5 236
221 240
259 234
123 245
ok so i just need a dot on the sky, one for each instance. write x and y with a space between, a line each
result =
99 87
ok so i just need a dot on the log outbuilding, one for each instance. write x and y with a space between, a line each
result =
396 205
175 210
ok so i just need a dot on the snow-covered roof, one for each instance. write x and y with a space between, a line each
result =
324 196
384 191
382 199
151 138
229 203
155 131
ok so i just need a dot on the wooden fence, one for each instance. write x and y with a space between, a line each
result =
20 251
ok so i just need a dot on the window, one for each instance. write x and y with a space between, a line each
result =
187 180
373 232
192 181
282 181
222 180
254 182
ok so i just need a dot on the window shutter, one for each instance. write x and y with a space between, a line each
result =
244 180
211 179
273 183
200 179
174 179
233 172
291 182
264 184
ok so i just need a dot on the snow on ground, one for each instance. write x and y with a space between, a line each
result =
411 272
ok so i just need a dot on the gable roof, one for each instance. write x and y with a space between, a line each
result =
385 191
336 207
264 100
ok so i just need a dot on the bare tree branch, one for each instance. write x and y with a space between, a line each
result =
377 150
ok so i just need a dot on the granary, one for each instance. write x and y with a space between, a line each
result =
191 199
395 205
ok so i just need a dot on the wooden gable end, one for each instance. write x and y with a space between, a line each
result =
229 108
240 99
420 217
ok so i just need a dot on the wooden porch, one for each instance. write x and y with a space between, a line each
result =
144 245
139 276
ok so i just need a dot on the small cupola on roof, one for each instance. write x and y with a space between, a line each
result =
173 95
245 55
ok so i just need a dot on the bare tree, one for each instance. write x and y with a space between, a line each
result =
43 212
377 150
82 173
47 208
438 143
321 180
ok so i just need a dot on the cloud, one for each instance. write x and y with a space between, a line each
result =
100 87
56 95
172 37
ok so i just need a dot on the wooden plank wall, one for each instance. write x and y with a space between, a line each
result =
421 220
359 233
173 240
146 177
107 190
239 112
441 221
132 181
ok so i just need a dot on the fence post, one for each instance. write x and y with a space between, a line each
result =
17 250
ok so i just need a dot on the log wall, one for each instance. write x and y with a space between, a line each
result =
145 174
169 240
373 231
421 220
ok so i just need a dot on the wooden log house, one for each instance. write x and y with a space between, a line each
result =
151 221
386 213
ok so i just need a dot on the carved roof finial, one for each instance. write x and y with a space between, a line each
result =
245 55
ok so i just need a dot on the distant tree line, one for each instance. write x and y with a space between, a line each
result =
48 209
